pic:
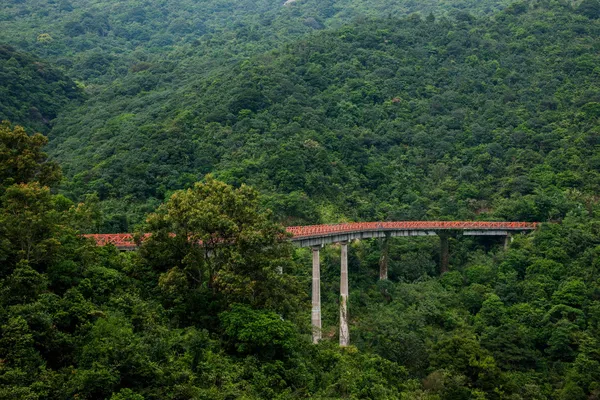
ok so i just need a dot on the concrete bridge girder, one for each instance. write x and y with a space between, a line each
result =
349 236
486 233
346 237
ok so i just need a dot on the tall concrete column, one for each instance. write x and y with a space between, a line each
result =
344 332
507 240
384 258
316 295
444 252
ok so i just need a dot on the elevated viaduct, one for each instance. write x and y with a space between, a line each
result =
317 236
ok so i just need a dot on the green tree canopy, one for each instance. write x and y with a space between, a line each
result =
218 240
22 159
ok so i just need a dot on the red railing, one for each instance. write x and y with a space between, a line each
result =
126 240
117 239
318 230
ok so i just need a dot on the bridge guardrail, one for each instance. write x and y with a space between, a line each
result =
126 240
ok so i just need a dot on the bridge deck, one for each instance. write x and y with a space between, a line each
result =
313 235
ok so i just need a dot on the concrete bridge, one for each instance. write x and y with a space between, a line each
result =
317 236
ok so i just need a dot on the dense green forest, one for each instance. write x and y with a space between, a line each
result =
180 320
445 115
172 321
148 54
221 121
33 92
100 40
415 118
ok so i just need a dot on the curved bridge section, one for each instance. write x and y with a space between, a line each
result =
315 235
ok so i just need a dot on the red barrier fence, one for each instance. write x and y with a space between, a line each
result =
126 240
318 230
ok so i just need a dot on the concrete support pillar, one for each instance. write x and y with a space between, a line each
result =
507 240
384 258
316 295
444 253
344 332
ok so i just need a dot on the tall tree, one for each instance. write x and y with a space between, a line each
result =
22 159
218 240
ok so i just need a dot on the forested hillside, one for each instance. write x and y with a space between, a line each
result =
313 111
32 92
99 40
220 310
210 125
147 55
415 118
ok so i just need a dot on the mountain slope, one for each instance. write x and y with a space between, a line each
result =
32 92
391 118
100 40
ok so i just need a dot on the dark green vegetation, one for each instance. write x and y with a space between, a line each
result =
32 92
176 320
387 119
140 63
454 115
99 40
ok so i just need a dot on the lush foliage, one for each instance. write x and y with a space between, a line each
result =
386 119
217 244
452 114
219 309
140 61
86 322
32 92
100 40
22 159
